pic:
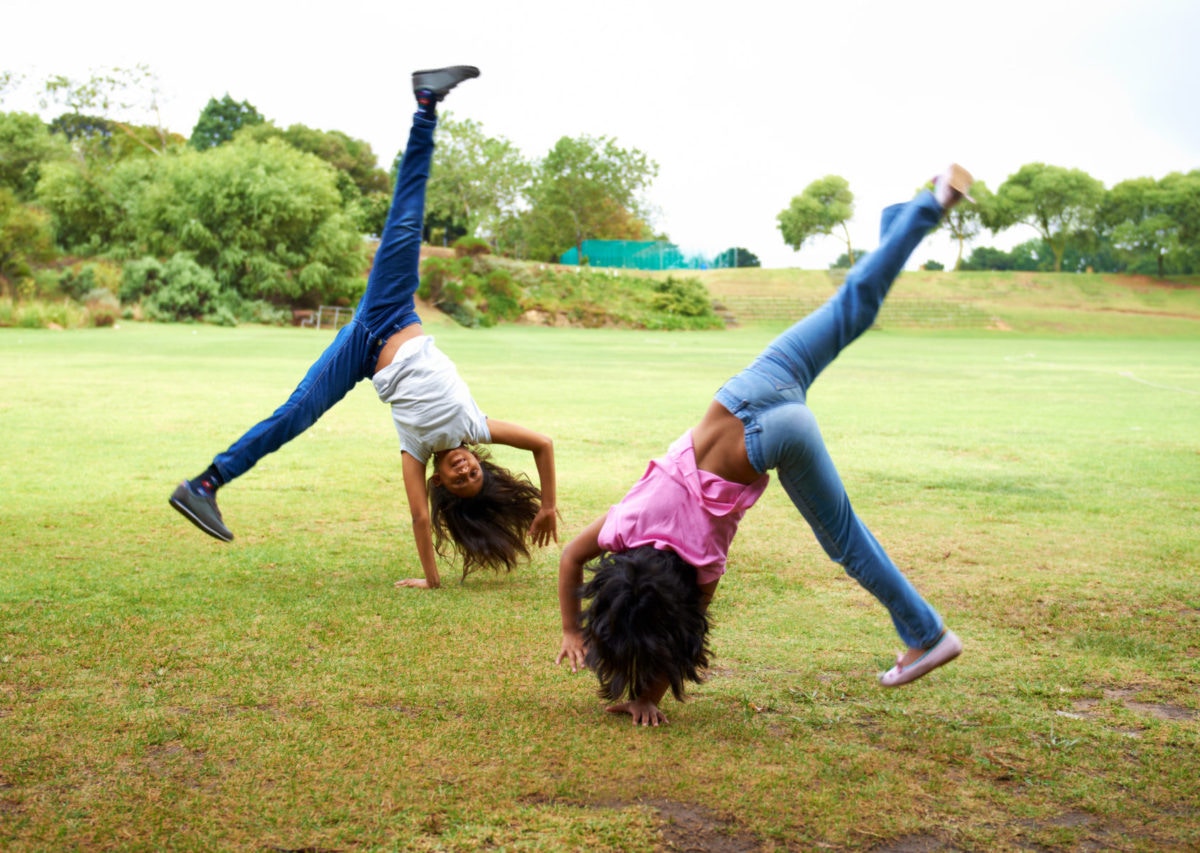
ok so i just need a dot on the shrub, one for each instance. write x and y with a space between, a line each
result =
141 278
471 247
102 306
435 274
37 314
686 297
502 296
188 292
79 280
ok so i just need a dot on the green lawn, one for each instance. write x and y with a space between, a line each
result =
162 690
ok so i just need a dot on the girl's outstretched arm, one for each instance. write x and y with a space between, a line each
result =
579 551
418 505
545 525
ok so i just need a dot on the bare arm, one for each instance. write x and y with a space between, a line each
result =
418 505
575 555
545 525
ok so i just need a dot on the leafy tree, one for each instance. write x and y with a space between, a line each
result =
587 188
89 202
25 241
266 219
1148 222
1056 202
844 261
823 206
475 180
25 144
988 258
964 221
351 157
220 120
111 93
365 188
737 257
1183 201
99 138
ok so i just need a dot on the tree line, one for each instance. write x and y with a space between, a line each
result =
243 219
251 215
1145 226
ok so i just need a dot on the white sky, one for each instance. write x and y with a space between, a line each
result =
742 104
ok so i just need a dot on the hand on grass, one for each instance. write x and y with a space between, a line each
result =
413 583
644 712
573 651
544 527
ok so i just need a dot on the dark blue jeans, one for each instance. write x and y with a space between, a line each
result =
385 308
781 432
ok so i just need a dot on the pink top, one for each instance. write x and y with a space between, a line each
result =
676 507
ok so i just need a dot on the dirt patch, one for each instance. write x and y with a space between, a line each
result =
911 844
1086 708
694 828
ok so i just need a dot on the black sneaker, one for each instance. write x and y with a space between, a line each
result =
442 80
201 510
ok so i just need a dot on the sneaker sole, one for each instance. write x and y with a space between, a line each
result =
194 519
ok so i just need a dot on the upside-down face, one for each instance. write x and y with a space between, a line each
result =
458 471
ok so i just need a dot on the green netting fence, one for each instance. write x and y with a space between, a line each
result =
636 254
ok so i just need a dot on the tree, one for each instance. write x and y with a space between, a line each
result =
98 139
365 188
351 157
737 257
1182 191
266 219
1134 213
1153 224
988 258
89 202
125 91
1056 202
25 240
25 144
964 221
220 120
824 205
475 181
587 188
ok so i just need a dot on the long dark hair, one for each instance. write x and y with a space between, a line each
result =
488 530
643 622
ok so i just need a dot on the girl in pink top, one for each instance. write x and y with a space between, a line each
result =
658 555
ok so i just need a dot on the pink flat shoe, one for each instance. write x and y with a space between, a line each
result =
946 649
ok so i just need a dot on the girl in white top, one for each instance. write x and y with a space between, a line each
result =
487 514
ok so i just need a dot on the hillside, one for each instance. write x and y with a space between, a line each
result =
1004 301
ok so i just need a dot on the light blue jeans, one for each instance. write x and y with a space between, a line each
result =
781 432
385 308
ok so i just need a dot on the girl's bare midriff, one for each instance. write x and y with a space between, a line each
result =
720 443
394 343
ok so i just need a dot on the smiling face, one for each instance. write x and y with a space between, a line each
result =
458 471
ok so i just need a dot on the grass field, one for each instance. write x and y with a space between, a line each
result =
161 690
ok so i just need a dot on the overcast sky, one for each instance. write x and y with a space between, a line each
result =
741 104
